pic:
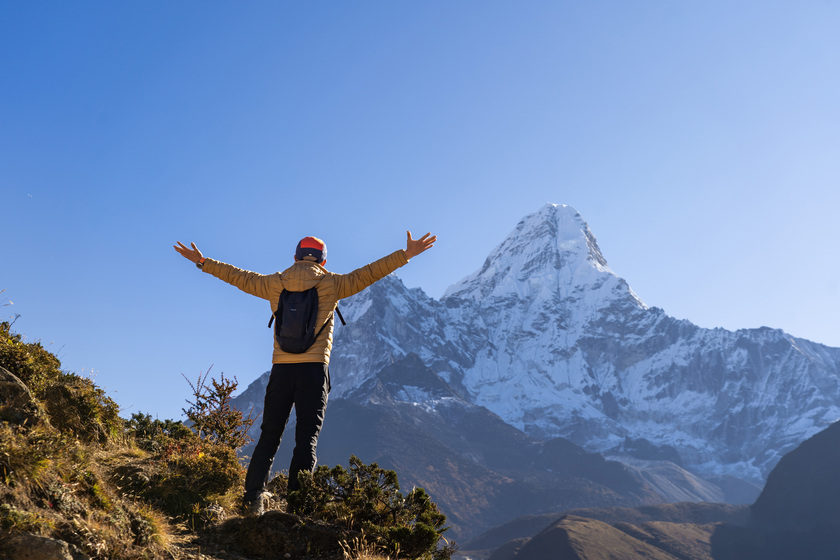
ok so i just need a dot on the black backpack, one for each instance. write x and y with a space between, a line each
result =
297 317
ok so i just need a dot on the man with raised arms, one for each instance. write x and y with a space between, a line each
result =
299 378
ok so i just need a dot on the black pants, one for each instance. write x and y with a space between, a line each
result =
304 386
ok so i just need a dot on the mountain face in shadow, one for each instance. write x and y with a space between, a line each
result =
796 516
799 510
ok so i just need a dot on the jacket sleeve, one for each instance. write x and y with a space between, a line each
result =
356 281
260 285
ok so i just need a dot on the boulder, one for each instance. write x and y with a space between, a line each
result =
17 405
25 546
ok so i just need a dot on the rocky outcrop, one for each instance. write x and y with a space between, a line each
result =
278 536
25 546
17 406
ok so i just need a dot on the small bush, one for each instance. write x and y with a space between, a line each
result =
154 435
74 404
29 361
26 456
211 414
191 476
129 532
184 474
194 468
15 520
367 499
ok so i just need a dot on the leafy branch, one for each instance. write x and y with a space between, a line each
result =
212 416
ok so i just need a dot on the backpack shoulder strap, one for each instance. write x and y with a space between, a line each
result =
327 322
279 309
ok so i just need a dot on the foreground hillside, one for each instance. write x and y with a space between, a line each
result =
78 482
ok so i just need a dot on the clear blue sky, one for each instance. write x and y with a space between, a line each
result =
700 141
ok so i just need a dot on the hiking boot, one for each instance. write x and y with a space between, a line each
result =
258 506
255 508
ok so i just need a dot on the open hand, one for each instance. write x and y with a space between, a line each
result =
414 247
190 254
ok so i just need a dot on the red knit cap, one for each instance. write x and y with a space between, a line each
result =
313 248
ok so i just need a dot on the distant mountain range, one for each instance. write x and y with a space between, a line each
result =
502 397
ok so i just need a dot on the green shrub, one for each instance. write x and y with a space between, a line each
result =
367 499
154 435
74 404
29 361
212 416
26 455
185 473
195 467
15 520
191 475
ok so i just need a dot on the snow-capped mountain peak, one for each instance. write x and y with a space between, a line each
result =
551 255
550 249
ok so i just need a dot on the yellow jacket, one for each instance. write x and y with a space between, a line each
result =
301 276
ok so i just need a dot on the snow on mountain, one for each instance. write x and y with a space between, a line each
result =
537 295
551 251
